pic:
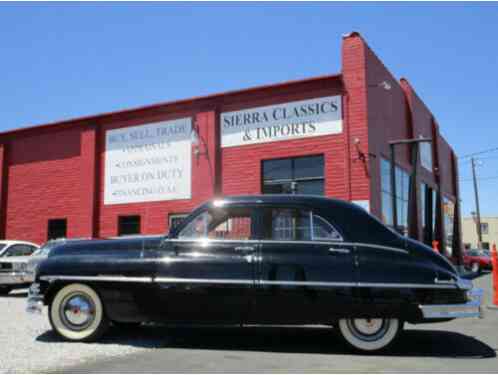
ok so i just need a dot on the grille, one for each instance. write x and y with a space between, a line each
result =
5 267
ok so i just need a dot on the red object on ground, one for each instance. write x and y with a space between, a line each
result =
435 245
494 262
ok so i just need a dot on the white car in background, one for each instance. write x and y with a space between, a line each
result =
14 256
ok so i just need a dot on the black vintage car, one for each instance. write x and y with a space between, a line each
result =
271 259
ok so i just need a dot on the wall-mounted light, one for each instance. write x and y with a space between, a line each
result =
386 85
197 141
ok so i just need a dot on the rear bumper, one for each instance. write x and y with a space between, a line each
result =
470 309
15 278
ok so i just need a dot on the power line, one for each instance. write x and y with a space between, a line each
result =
479 179
479 153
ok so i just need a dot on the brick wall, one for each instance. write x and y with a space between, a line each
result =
44 182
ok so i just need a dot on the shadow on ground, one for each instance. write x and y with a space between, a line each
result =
413 343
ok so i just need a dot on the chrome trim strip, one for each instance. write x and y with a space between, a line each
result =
407 285
206 241
389 248
305 283
98 278
179 280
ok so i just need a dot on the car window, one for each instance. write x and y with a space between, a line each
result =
289 224
323 230
2 246
228 224
19 250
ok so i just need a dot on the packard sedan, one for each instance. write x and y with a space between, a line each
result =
264 260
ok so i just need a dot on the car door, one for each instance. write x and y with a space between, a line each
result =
306 272
206 274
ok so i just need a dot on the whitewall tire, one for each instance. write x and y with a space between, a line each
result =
369 335
77 313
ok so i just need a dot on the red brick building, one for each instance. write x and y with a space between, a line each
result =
134 170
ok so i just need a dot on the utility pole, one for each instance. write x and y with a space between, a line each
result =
478 212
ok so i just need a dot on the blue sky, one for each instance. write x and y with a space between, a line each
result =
65 60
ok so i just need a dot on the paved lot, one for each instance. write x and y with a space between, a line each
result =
465 345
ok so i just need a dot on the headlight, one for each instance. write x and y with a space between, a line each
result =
19 267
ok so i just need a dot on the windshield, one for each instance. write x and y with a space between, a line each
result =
2 247
45 249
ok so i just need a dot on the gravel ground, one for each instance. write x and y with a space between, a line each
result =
28 344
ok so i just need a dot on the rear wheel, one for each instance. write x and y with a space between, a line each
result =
370 335
77 313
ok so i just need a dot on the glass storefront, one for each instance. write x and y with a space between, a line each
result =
301 175
428 212
448 214
402 194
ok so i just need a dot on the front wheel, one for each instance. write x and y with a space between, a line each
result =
370 335
77 313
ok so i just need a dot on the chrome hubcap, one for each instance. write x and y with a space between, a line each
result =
368 326
77 311
368 329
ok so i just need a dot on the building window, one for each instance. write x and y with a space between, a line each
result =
301 175
175 219
428 212
57 228
425 149
449 215
128 225
484 228
402 193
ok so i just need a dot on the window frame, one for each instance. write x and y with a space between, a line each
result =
293 178
312 213
253 216
61 219
16 245
173 216
121 217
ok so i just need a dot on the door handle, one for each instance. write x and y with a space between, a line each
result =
333 250
245 249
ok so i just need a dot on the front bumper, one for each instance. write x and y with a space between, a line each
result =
470 309
16 278
35 300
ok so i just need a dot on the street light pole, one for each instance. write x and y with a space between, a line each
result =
478 212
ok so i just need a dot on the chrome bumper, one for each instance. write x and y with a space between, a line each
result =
470 309
16 278
35 300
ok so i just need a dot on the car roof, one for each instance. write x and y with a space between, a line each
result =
15 242
298 199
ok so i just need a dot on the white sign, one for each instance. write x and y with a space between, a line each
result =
148 163
305 118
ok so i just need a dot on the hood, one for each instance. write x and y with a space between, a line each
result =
109 246
21 259
443 267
